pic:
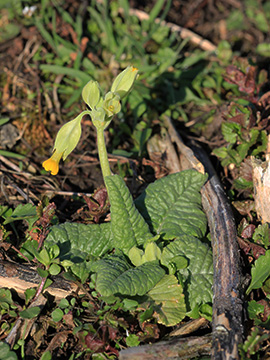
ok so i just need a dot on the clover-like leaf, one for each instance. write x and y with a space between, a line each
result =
172 205
128 226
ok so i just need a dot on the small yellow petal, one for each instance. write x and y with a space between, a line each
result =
51 165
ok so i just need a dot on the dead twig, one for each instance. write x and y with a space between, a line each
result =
21 277
178 348
227 320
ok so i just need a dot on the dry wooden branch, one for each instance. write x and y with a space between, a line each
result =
227 327
227 321
21 277
178 348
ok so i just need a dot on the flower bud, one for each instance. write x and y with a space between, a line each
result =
111 104
66 140
98 114
91 93
124 81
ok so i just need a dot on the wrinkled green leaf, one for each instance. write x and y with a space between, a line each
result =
135 255
170 306
79 241
197 277
116 276
260 271
128 226
81 270
261 235
108 270
172 205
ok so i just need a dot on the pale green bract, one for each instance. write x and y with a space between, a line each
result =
91 94
69 136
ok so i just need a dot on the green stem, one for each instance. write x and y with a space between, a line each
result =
102 153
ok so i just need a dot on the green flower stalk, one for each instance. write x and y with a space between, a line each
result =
102 112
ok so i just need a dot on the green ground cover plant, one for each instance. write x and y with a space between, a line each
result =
138 248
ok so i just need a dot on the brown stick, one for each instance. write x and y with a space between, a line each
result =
21 277
227 298
227 302
178 348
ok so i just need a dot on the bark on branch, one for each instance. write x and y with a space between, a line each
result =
227 323
21 277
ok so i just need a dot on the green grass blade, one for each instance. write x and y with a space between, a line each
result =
125 5
75 96
156 10
106 26
78 74
44 33
4 121
11 154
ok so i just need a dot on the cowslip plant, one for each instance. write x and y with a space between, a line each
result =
102 111
151 251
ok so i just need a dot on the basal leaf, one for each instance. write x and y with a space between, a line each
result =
198 275
172 205
116 276
108 270
260 271
168 296
78 242
128 226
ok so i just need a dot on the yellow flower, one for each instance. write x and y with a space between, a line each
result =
52 164
66 141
